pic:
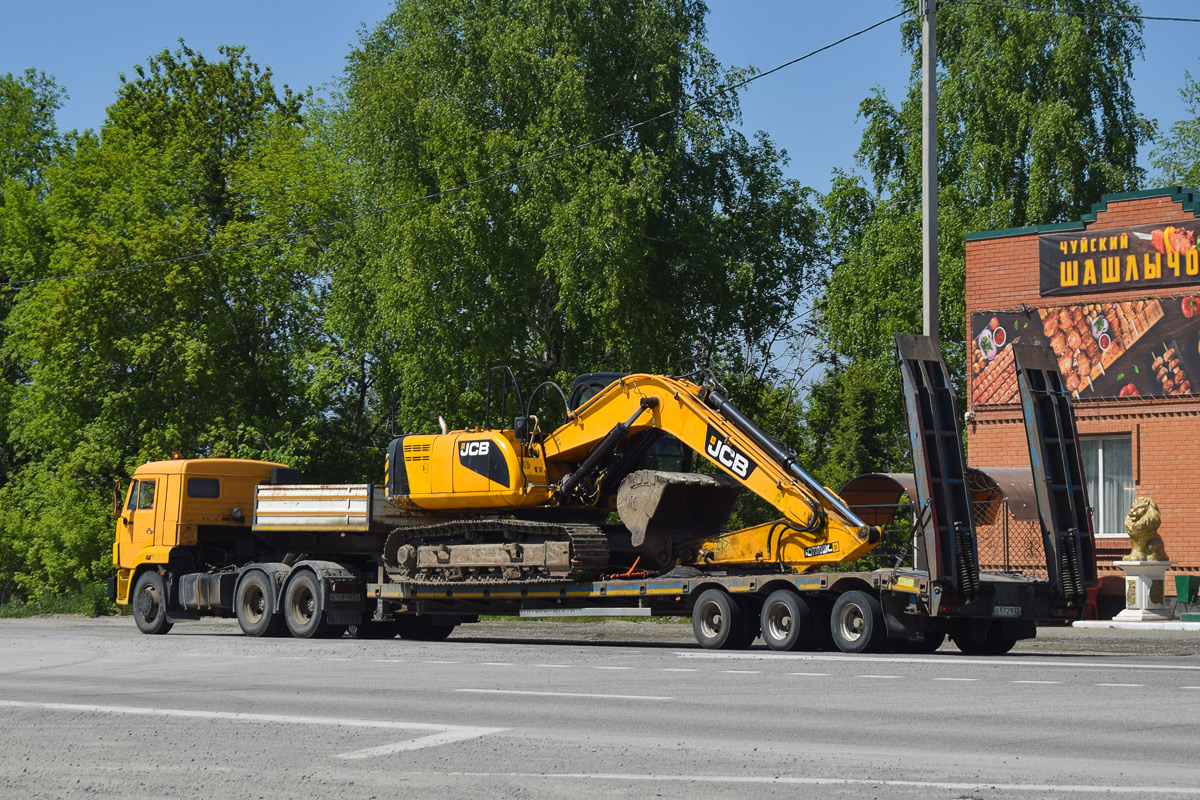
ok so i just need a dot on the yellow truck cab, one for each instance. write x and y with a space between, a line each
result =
185 516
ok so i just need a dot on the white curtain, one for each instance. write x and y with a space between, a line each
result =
1108 472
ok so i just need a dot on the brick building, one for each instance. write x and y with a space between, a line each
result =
1117 296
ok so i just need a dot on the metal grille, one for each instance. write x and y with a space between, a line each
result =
1006 544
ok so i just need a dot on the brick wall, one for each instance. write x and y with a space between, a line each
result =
1002 273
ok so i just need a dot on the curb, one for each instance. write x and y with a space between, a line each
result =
1138 626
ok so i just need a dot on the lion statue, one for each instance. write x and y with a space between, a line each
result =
1141 524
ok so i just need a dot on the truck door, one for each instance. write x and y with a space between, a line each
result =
143 516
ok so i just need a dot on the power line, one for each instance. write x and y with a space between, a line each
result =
463 186
1071 13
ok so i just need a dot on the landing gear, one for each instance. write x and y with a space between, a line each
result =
150 604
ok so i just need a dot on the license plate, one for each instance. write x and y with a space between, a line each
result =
1006 611
348 597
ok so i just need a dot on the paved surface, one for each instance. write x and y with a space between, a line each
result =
91 708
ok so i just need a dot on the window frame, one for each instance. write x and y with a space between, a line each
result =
1096 500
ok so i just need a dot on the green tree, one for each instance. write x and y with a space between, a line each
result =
664 241
1036 121
207 356
1177 156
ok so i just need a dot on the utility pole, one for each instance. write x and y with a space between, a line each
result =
929 179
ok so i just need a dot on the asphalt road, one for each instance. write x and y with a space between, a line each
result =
93 709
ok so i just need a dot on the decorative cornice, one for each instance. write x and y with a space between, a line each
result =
1189 199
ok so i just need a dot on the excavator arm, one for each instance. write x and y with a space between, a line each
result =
816 527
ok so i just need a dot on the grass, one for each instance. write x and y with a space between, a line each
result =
91 601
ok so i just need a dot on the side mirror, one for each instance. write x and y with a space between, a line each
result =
116 508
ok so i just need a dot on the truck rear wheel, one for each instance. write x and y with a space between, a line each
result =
303 607
255 606
857 623
150 603
786 621
994 643
422 629
718 620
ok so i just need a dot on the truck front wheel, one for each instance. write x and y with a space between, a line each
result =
255 606
150 603
304 608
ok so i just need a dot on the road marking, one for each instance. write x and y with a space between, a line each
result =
956 679
1042 683
388 660
612 667
1190 687
440 662
1120 685
438 734
783 780
555 666
677 669
742 671
886 677
947 659
566 694
496 664
811 674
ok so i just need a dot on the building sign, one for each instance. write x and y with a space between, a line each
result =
1137 257
1138 348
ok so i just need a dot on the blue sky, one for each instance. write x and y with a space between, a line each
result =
809 109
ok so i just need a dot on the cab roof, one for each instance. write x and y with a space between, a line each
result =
232 467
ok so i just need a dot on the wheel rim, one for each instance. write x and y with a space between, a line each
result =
303 605
778 622
851 622
254 605
711 620
148 603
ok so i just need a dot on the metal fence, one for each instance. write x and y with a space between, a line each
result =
1006 544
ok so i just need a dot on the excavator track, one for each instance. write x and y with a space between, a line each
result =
495 552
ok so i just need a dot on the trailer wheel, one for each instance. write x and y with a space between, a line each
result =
303 608
422 629
786 621
718 621
857 623
150 603
375 630
994 644
255 606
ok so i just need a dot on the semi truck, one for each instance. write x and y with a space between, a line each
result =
582 520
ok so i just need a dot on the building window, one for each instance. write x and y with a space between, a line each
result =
1108 471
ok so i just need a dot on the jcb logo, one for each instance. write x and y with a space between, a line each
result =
474 448
721 451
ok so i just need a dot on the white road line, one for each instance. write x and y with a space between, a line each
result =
496 664
433 740
677 669
388 660
956 679
742 671
438 734
1004 661
1028 788
1121 685
612 667
439 662
885 677
1042 683
1189 687
811 674
555 666
566 694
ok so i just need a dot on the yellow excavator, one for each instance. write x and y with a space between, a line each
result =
532 505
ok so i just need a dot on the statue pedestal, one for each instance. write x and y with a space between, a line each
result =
1143 590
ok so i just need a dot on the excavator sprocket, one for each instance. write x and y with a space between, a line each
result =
495 551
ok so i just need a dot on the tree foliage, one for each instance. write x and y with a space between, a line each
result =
659 242
1036 121
1177 157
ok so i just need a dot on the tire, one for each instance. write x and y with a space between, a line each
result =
994 644
149 603
751 609
857 623
422 629
718 621
929 643
304 608
786 621
375 630
254 605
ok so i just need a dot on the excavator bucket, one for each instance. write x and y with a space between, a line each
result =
662 509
